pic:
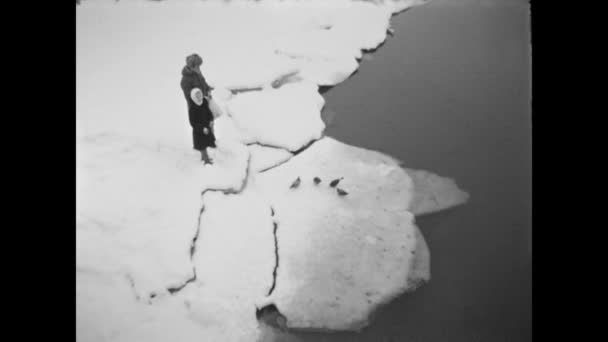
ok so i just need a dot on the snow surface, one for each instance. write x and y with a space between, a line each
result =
420 269
171 249
342 255
338 260
136 210
129 53
288 117
264 158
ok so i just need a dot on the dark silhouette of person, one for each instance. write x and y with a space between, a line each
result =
197 94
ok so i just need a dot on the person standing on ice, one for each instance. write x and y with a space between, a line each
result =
198 95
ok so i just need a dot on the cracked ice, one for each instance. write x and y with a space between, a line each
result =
170 249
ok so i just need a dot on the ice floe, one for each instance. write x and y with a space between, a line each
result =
433 193
136 211
347 240
338 260
288 117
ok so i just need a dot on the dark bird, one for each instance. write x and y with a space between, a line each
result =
317 180
335 182
341 192
295 183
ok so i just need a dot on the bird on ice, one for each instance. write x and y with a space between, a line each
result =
295 183
335 182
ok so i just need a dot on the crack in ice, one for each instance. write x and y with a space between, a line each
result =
173 290
276 254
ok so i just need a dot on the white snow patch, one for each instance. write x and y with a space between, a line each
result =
288 117
105 306
225 130
235 258
220 96
330 277
229 169
137 210
264 158
235 253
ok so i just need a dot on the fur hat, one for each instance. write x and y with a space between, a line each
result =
194 61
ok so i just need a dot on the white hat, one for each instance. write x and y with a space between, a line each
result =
194 98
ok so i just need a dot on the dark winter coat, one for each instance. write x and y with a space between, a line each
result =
200 117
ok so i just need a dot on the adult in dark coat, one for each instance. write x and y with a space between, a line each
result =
195 90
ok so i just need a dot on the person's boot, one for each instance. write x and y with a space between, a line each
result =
205 157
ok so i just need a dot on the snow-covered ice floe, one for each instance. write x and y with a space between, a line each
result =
288 117
171 249
136 211
346 236
264 158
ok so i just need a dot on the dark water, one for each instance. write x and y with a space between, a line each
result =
450 93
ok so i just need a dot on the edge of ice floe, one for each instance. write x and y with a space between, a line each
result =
173 290
433 193
430 190
420 274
